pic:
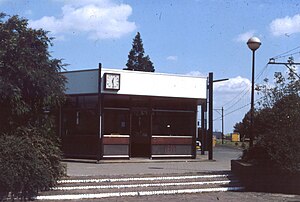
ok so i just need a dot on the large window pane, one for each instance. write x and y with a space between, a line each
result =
173 123
116 122
80 115
80 122
88 102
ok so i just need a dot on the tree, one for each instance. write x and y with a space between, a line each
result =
243 127
136 59
30 86
277 123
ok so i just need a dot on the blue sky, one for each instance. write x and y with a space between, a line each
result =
180 36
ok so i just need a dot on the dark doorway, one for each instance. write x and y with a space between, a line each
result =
140 132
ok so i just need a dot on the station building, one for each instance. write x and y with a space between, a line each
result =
112 113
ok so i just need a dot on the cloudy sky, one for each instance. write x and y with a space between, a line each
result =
181 36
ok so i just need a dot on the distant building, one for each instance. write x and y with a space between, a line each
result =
218 135
122 114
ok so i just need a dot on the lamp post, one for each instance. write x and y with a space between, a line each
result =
253 43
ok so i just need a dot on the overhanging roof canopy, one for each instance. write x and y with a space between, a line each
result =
138 83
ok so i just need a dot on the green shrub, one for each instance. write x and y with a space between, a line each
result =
279 135
28 164
31 89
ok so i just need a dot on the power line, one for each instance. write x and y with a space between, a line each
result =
237 100
285 53
236 96
291 54
256 101
282 55
232 111
257 77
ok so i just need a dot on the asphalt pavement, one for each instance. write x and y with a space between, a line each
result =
222 156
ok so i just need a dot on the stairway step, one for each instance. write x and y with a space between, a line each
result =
136 193
139 187
102 187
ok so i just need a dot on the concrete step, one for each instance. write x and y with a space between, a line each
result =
93 187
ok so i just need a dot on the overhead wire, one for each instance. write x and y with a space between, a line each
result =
238 109
234 104
247 88
285 54
291 54
282 55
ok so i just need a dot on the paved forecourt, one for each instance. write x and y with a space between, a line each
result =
141 166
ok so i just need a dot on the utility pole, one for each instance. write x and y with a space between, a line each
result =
222 125
290 62
222 119
210 116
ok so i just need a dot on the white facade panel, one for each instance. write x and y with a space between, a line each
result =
139 83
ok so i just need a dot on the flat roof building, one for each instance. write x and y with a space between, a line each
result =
113 113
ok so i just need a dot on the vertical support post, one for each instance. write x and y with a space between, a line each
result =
252 101
203 128
194 150
222 125
210 116
99 142
151 125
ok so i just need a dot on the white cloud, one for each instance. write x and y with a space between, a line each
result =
285 26
244 37
234 96
101 19
233 85
172 58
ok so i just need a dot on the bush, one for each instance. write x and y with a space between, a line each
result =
30 85
279 135
29 163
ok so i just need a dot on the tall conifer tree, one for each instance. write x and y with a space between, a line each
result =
137 61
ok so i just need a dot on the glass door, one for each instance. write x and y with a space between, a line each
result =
140 132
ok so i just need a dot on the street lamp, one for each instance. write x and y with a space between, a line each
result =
253 43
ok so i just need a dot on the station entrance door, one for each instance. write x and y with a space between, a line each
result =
140 132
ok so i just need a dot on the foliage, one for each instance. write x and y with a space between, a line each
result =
30 85
29 79
136 59
28 163
243 127
277 124
283 86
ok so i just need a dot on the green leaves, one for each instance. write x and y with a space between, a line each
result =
30 79
28 163
30 82
276 123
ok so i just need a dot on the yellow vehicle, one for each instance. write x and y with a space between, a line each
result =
235 137
198 145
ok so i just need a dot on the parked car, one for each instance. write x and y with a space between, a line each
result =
198 145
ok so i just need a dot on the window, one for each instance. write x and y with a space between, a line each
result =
80 115
116 122
173 123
